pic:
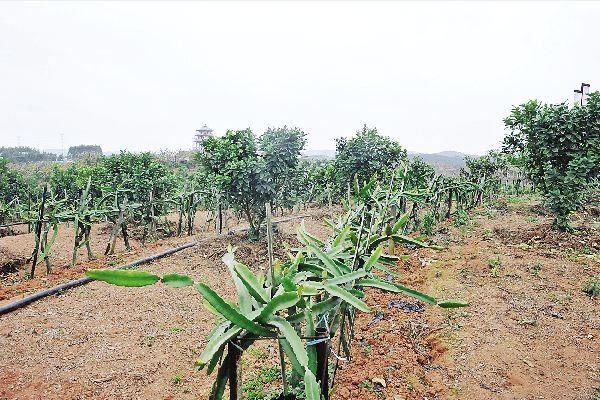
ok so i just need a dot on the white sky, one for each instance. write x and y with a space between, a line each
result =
144 76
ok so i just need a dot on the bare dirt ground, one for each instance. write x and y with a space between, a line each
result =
104 342
530 332
15 251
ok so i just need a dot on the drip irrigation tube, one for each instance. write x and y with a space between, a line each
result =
5 309
13 224
82 281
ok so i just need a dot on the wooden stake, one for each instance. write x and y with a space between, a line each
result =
115 231
323 362
38 232
270 244
448 213
234 371
190 214
44 246
220 218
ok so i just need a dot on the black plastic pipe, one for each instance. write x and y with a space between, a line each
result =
82 281
5 309
13 224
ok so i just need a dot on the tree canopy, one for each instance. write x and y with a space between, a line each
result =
559 149
366 154
83 150
249 172
24 154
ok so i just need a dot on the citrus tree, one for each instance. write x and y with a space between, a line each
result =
16 190
140 174
68 181
418 173
486 171
366 154
249 172
560 150
281 149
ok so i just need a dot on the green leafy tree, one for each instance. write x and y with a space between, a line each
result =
559 148
281 149
17 188
320 180
418 174
492 164
139 175
24 154
248 177
365 154
9 181
84 150
67 182
486 171
238 172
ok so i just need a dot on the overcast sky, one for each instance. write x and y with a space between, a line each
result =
144 76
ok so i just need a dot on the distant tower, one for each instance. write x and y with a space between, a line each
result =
200 135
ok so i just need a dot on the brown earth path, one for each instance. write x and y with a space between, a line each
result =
105 342
529 333
16 249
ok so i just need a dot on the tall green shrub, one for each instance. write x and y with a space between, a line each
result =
139 174
248 176
366 154
560 149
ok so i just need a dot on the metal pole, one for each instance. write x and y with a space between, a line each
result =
282 367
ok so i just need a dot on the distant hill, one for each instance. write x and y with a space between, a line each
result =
319 154
453 154
444 162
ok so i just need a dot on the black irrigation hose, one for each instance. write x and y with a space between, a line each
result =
13 224
82 281
5 309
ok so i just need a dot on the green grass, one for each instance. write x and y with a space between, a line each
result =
461 218
428 223
592 287
535 269
257 353
254 388
115 262
366 349
516 200
178 378
495 264
488 234
579 255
